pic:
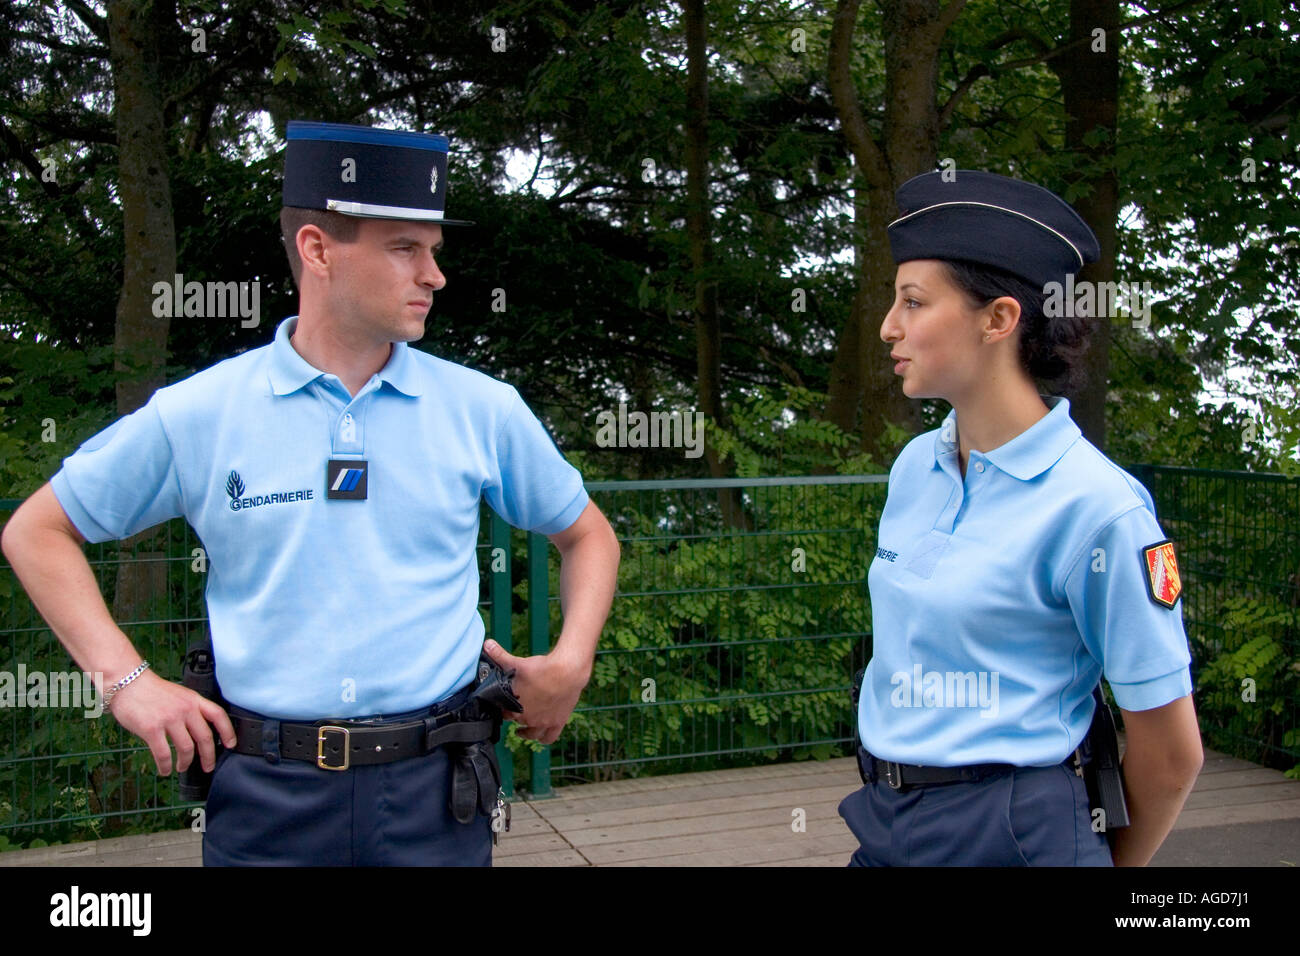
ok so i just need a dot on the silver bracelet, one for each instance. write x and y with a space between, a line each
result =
116 688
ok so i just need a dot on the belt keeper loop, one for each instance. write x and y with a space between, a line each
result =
271 740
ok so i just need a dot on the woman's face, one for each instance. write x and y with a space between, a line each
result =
934 332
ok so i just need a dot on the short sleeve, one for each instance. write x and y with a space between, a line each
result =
122 480
1140 643
534 487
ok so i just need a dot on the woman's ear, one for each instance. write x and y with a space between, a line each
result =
1003 317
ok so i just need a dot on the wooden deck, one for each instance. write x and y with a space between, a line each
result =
743 818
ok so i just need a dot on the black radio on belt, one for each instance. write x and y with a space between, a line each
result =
475 772
1103 774
199 674
855 694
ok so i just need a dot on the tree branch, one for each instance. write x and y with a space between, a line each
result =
50 43
947 16
93 21
945 112
867 154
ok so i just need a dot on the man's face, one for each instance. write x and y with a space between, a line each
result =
382 285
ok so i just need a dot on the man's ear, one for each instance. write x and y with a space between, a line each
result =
313 250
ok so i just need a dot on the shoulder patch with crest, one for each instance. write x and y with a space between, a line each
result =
1164 584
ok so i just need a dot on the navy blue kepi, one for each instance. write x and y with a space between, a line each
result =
991 220
362 171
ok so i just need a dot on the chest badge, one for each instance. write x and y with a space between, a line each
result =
1164 584
345 479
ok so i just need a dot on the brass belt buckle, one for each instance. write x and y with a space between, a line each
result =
320 747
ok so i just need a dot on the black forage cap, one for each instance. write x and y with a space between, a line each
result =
992 220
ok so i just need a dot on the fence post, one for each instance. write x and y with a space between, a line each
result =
499 597
1145 474
539 629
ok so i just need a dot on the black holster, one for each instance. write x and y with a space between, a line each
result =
199 674
475 772
1102 774
854 694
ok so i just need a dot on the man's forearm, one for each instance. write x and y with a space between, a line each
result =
62 586
588 577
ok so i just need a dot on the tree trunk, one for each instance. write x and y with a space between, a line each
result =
699 233
1090 88
864 393
136 28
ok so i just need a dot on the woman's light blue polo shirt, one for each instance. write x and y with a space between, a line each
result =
999 598
320 607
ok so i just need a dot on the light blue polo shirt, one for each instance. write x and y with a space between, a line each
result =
320 607
998 599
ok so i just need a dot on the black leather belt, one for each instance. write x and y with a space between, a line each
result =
904 776
340 744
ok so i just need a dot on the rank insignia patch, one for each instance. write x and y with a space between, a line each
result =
345 479
1164 584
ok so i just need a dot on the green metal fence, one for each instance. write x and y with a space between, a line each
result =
741 614
1238 541
64 776
731 639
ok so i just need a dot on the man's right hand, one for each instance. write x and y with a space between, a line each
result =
44 548
158 711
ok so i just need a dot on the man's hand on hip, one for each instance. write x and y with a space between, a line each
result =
158 711
548 686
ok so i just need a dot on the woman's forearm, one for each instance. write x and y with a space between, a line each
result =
1161 762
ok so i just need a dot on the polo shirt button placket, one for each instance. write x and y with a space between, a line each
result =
347 472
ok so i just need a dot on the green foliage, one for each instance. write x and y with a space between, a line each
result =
601 298
1247 692
301 36
41 426
737 642
777 432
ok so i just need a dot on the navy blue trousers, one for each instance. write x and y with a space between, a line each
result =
272 812
1034 816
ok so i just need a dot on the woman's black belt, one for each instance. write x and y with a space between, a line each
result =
340 744
904 776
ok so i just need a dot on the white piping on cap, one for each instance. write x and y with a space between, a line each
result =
987 205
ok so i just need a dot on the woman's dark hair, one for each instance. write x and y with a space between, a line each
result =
1051 347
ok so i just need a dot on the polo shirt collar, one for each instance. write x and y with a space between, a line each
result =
289 371
1033 451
